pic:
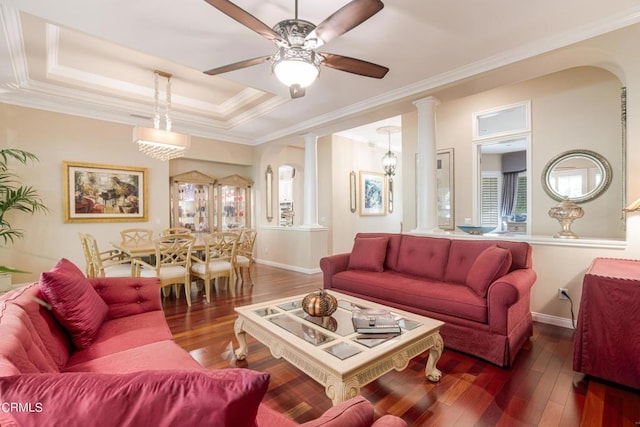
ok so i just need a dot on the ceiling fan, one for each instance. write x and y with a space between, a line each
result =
296 63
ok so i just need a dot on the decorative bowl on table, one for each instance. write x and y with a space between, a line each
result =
477 230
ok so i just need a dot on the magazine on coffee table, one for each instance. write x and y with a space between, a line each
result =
374 321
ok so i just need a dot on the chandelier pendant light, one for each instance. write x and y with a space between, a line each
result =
389 160
161 144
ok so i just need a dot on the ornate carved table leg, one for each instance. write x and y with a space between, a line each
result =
339 391
241 352
433 373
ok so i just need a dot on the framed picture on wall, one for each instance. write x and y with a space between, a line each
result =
372 193
445 189
104 193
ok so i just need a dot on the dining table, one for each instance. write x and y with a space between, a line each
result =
145 248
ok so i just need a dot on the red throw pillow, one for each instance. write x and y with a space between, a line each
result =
224 397
492 263
75 303
368 253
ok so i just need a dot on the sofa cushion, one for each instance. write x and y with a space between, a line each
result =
368 253
423 256
74 301
391 259
439 297
224 397
124 333
155 356
492 263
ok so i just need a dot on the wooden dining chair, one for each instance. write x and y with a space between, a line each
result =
216 261
172 263
175 230
109 263
244 253
88 262
136 234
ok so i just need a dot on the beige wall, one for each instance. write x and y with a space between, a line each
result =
349 155
55 138
577 108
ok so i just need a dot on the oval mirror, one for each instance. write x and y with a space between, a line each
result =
577 175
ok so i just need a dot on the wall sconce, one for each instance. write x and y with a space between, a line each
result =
269 192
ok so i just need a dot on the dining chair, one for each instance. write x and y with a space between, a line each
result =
136 234
109 263
216 261
172 263
88 262
244 253
175 230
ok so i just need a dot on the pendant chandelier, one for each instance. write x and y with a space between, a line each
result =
161 144
389 160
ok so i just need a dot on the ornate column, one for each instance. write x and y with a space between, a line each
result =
310 201
426 191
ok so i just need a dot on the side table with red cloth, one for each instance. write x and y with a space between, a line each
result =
607 339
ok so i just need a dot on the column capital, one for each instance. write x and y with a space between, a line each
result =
429 100
310 137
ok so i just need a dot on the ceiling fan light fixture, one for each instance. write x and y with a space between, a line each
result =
296 66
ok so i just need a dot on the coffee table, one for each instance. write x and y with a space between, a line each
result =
329 350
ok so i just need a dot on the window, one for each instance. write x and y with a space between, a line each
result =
521 195
501 145
490 199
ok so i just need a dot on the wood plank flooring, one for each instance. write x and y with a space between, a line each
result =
540 390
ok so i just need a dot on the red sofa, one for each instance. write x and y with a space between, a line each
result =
479 288
77 351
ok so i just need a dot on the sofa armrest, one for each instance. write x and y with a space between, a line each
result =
126 296
389 421
355 412
331 265
513 289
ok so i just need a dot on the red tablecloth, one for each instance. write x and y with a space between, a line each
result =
607 339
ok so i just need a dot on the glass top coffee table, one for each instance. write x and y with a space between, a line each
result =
330 351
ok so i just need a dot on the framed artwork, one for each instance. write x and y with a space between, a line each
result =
445 189
372 193
104 193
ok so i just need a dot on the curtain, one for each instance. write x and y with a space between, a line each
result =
509 193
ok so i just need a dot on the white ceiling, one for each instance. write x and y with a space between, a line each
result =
96 58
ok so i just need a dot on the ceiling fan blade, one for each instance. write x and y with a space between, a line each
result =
296 91
349 16
238 65
355 66
245 18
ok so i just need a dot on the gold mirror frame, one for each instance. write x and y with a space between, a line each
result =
602 164
353 195
269 192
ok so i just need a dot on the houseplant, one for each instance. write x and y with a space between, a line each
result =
15 197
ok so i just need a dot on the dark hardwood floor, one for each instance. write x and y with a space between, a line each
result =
540 390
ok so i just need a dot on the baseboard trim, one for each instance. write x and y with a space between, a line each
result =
552 320
289 267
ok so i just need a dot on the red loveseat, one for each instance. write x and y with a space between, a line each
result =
77 352
479 288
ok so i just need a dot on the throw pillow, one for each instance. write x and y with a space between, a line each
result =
75 303
492 263
368 253
224 397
